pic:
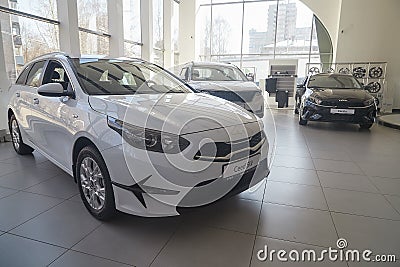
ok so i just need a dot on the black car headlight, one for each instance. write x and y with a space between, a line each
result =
314 100
148 139
369 102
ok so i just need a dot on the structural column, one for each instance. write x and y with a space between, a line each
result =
69 29
146 16
116 27
187 29
168 35
4 85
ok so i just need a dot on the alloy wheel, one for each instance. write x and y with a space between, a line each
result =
92 183
16 138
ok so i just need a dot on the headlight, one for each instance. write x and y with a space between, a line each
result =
315 100
148 139
369 102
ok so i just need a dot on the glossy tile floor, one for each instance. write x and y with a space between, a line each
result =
327 181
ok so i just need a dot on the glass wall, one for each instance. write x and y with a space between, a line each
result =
252 33
25 38
93 24
158 32
132 28
44 8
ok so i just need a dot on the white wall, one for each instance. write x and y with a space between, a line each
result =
328 11
371 33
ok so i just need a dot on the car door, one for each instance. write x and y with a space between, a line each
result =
18 101
54 117
26 96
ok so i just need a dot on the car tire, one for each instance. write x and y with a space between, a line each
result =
366 126
301 120
95 184
19 146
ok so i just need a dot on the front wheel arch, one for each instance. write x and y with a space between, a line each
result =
80 144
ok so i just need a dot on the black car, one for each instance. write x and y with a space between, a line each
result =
332 97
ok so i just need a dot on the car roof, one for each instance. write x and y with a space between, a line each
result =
212 64
83 58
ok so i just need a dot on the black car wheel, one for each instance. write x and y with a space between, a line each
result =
366 126
301 120
95 184
19 145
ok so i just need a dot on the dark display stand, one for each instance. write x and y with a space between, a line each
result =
281 83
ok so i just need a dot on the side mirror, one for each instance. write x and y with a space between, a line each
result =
53 90
250 77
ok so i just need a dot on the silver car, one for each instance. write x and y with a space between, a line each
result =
225 81
134 137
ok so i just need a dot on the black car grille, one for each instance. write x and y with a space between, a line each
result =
238 97
343 104
224 152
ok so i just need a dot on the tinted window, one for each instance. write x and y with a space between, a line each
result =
112 77
334 81
22 77
55 73
217 73
35 73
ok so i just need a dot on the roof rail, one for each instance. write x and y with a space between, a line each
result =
52 54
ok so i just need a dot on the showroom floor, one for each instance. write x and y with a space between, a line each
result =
327 181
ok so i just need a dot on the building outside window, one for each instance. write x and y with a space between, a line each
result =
26 37
252 33
132 28
158 32
93 24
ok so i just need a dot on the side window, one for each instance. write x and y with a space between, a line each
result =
35 73
23 76
184 75
55 73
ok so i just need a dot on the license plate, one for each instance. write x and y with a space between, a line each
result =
342 111
240 167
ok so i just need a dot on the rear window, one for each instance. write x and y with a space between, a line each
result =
23 76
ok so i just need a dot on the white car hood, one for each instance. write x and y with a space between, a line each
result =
176 113
236 86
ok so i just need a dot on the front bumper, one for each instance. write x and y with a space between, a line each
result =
149 185
362 115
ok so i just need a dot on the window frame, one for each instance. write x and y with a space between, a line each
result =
41 75
26 70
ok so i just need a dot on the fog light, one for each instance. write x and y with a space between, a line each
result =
316 117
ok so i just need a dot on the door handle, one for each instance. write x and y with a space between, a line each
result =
18 94
36 101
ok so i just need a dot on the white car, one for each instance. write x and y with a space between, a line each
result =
135 137
225 81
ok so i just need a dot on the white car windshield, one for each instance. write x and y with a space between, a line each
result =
334 82
217 73
124 77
